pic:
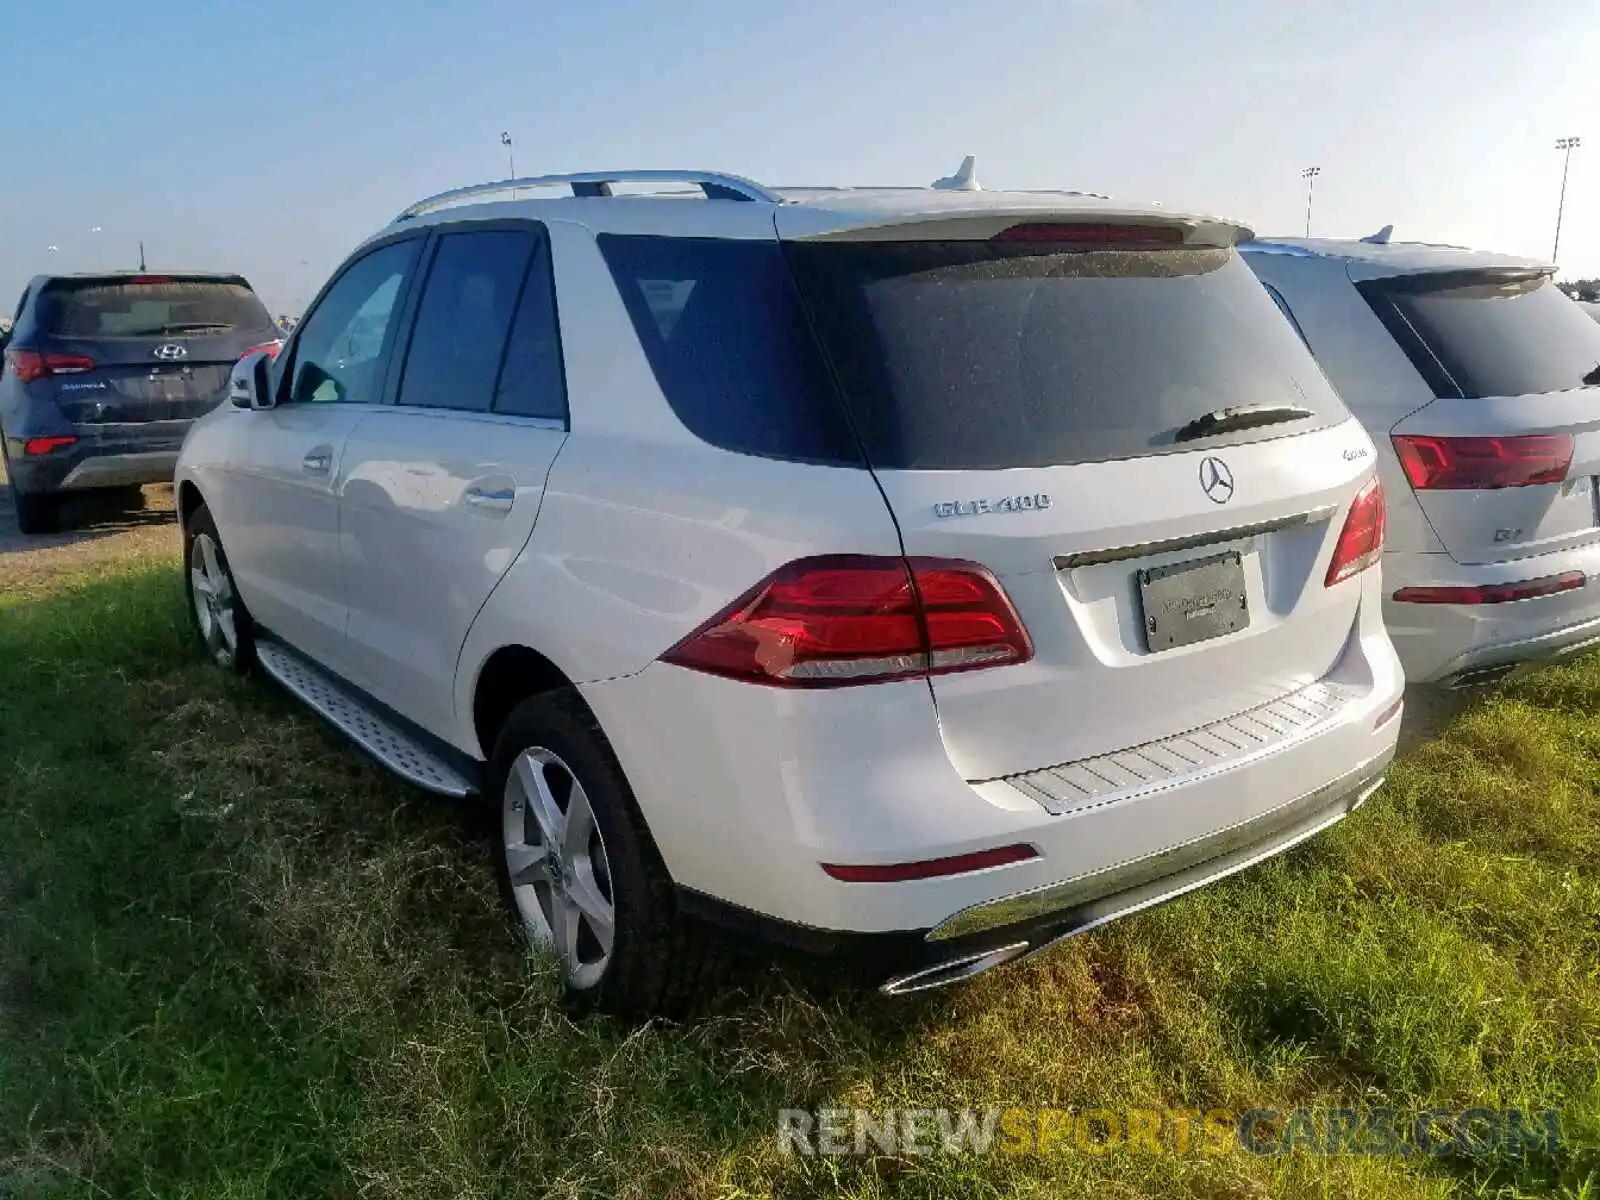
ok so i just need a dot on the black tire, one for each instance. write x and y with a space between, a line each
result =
36 514
658 965
235 654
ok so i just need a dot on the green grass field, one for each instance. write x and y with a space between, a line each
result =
238 961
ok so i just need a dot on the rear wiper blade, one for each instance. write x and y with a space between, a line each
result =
1244 416
193 326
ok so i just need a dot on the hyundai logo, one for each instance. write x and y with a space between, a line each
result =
168 351
1216 481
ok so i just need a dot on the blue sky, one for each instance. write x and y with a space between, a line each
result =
269 138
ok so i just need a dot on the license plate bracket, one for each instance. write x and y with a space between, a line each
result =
1194 601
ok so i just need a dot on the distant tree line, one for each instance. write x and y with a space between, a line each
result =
1582 289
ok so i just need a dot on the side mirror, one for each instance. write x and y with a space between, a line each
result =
249 383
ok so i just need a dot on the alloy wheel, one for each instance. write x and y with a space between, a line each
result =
557 863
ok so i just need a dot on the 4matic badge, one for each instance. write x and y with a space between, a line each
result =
1031 502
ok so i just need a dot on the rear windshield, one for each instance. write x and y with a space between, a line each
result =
1475 334
124 308
960 354
977 354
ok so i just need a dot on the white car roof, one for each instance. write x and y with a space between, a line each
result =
712 204
1378 260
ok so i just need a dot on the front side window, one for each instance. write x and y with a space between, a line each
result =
342 344
463 317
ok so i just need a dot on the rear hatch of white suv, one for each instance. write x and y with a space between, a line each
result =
1112 417
1504 463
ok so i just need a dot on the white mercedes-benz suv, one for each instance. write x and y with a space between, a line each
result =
1480 382
916 576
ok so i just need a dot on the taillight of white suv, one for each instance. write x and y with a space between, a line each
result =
1360 542
838 620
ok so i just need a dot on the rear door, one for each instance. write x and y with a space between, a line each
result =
1504 463
1032 406
151 350
439 490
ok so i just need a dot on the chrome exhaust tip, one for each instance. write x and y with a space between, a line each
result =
952 970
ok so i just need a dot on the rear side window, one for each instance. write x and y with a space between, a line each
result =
991 355
463 317
149 307
532 379
729 342
1478 333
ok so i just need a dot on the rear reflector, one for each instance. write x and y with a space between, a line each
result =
930 868
43 445
1479 463
1096 235
28 365
1494 593
838 620
1389 713
1360 542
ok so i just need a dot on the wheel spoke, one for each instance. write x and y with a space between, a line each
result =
539 800
580 824
564 928
198 581
586 898
526 865
225 626
208 555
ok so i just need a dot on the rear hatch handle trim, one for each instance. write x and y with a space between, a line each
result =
1089 558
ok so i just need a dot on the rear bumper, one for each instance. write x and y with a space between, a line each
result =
1462 643
104 456
747 790
1024 923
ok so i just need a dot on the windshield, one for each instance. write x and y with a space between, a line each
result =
1475 333
982 355
125 308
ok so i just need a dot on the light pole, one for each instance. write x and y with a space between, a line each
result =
511 157
1310 176
1566 145
99 261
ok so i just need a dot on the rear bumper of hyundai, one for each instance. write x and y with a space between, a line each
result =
1461 644
103 456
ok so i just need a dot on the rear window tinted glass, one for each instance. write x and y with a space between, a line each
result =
1474 334
729 343
462 319
122 308
985 355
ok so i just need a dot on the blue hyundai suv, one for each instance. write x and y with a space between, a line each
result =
104 373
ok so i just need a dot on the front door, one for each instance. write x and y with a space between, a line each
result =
441 488
281 516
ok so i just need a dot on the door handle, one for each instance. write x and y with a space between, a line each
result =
318 460
491 499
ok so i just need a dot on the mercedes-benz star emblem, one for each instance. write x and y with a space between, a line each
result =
1216 481
171 350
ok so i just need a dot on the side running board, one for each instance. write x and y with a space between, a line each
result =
400 752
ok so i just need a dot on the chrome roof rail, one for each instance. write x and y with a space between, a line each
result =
714 184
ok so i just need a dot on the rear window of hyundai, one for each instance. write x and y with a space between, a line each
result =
1473 333
156 308
962 355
